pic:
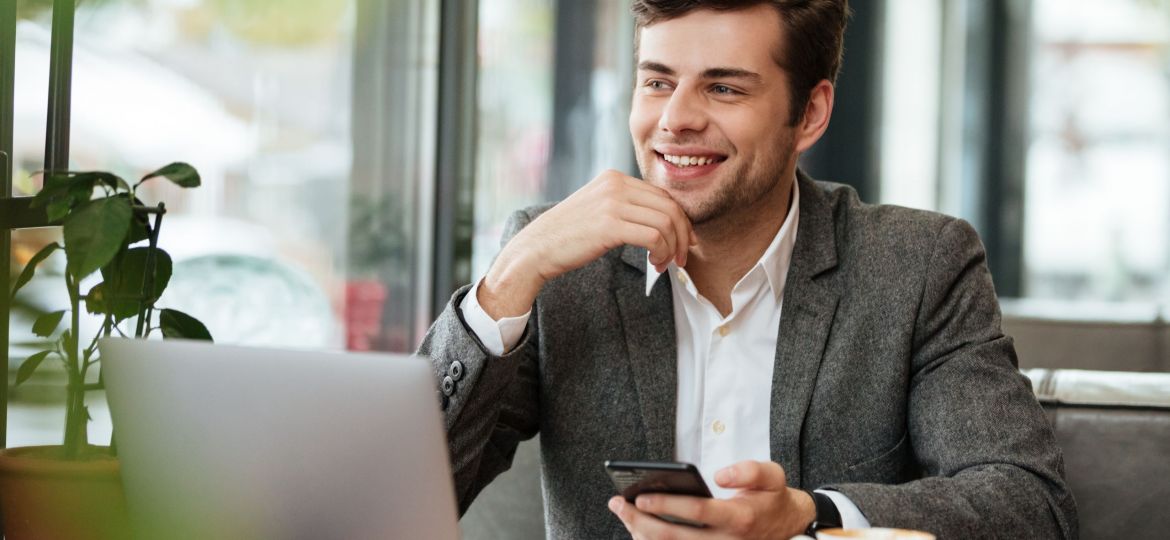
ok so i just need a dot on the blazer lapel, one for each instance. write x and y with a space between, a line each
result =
809 306
653 355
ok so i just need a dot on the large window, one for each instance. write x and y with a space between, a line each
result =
1097 217
257 98
514 115
554 85
1046 123
312 127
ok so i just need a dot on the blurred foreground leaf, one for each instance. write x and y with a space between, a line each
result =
178 325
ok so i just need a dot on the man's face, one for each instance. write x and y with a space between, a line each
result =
709 117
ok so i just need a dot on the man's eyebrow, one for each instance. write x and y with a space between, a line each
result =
731 73
711 73
656 67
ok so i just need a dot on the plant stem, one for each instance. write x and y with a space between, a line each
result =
104 331
146 304
75 420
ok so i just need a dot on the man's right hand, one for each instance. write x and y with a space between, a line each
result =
610 211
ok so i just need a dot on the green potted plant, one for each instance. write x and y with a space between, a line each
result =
74 490
375 239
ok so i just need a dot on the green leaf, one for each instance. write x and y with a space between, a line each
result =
66 191
139 228
30 365
74 195
180 173
57 210
94 234
26 275
56 187
125 278
120 185
94 178
57 179
178 325
46 324
138 231
95 299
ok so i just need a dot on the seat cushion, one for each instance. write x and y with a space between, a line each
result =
1114 428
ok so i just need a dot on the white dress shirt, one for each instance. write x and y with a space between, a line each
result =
724 363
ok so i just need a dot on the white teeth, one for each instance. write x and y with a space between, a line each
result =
688 161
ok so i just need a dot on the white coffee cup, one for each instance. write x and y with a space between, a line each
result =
873 534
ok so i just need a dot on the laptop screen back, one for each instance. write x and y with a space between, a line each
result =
219 441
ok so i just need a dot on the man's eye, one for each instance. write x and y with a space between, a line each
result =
655 84
724 90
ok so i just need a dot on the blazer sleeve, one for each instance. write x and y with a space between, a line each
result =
990 462
494 404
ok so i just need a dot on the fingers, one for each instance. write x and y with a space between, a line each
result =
645 525
650 238
612 210
633 200
753 475
677 214
675 219
661 253
762 509
716 513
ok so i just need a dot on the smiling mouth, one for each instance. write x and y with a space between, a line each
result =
691 161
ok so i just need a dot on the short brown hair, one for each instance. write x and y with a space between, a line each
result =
813 30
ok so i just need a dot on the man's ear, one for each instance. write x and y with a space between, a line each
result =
816 116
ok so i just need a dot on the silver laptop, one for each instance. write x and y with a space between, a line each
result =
228 442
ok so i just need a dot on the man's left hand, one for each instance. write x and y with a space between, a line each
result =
764 507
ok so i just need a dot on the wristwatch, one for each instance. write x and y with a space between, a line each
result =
827 515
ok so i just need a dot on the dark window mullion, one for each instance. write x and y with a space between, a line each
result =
60 87
995 134
454 201
850 150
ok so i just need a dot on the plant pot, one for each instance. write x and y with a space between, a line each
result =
364 301
45 496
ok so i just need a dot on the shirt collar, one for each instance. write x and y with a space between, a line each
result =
775 260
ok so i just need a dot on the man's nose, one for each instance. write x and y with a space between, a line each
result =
684 112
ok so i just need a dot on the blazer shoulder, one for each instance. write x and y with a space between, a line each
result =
884 225
885 244
534 211
521 218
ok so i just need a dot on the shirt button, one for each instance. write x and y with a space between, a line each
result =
718 427
682 277
723 331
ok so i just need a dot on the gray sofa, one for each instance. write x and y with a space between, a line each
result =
1079 335
1114 428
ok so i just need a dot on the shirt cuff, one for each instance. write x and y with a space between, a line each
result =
851 516
498 337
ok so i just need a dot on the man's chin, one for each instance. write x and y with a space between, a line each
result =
698 211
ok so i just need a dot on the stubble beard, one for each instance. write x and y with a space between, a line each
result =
735 197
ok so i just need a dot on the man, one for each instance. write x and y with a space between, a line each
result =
727 310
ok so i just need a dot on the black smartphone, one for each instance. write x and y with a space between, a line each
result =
632 478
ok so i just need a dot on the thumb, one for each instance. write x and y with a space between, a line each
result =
753 475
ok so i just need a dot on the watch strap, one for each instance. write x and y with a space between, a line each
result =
828 517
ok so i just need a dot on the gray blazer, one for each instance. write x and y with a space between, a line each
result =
893 382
